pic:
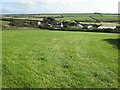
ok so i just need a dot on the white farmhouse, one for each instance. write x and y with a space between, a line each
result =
107 27
39 23
58 25
90 26
80 25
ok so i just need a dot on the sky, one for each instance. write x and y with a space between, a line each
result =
59 6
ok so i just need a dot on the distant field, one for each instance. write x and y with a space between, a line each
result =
4 23
35 58
81 17
104 17
36 19
48 15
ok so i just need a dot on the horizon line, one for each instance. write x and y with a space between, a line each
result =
60 13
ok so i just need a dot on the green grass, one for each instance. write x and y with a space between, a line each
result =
84 17
71 16
35 58
48 15
4 23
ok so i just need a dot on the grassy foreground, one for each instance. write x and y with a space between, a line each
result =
34 59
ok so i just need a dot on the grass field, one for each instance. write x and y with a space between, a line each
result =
37 58
69 16
4 23
84 17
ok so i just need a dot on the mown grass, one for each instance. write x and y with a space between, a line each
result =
35 58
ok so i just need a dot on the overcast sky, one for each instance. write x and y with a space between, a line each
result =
59 6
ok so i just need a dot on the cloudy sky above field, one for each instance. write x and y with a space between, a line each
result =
59 6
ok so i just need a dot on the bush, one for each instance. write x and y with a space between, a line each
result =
117 30
92 29
105 30
72 28
23 23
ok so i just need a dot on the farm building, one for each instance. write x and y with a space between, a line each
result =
80 25
106 27
58 25
50 23
86 26
39 22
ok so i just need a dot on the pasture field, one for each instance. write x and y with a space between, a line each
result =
42 58
84 17
47 15
4 23
70 16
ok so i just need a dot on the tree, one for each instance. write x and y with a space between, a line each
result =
48 20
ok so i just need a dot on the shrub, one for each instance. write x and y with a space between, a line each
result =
117 30
92 29
72 28
23 23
